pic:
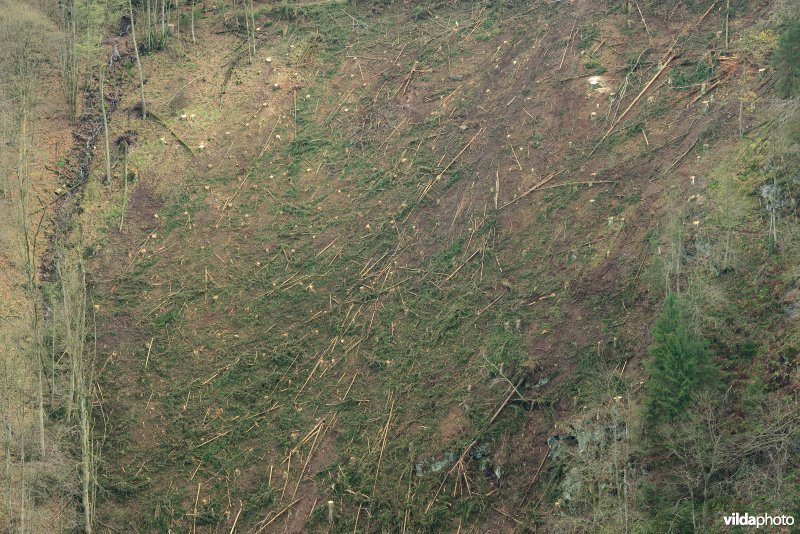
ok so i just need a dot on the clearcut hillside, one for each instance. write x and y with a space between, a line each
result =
434 267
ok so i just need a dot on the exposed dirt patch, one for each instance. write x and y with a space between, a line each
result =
453 425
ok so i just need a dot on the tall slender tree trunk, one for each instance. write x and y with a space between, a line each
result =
40 395
773 227
23 481
69 65
7 446
53 364
727 22
194 39
125 187
28 255
247 30
148 25
38 358
73 288
253 25
86 456
177 20
105 122
138 60
85 393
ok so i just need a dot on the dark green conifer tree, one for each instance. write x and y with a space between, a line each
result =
787 61
681 364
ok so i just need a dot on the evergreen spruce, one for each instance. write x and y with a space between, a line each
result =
682 363
787 61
